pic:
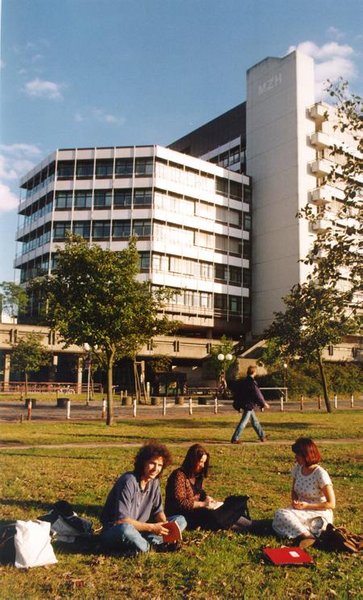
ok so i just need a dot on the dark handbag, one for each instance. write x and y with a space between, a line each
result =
7 544
339 539
231 510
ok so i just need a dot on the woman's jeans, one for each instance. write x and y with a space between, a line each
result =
126 537
246 416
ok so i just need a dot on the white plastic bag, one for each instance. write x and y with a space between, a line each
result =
32 544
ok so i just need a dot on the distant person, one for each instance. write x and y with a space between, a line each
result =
185 495
249 397
312 497
133 517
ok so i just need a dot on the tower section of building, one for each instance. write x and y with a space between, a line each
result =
191 219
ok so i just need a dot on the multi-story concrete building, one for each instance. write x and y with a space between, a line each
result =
191 205
281 138
191 219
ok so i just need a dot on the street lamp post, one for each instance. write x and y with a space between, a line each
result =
224 360
285 380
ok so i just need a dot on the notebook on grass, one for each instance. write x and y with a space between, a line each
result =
287 556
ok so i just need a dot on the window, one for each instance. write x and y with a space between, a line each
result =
235 275
101 230
222 186
84 169
82 228
246 278
205 240
63 200
104 168
141 228
65 169
121 230
102 199
122 198
235 190
246 249
60 229
246 221
144 166
144 261
235 304
220 301
124 167
83 199
247 195
142 197
246 308
220 272
222 243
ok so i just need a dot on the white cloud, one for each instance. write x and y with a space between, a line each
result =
40 88
334 32
15 161
2 64
8 200
100 115
332 60
108 118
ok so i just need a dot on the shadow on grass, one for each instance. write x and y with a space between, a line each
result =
90 510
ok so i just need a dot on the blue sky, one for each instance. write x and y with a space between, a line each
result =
121 72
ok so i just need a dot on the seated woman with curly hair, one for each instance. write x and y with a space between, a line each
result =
185 494
312 497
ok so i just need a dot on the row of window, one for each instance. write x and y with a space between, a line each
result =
86 199
104 168
123 229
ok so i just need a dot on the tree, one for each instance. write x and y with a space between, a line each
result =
93 297
222 367
336 251
28 356
13 298
315 317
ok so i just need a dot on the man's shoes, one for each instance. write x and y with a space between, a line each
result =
236 442
264 439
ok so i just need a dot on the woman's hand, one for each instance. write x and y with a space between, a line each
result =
208 501
300 505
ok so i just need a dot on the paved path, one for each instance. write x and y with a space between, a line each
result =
287 442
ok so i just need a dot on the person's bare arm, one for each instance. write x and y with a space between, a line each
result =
328 492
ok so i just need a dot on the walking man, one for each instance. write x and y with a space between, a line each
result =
249 397
133 517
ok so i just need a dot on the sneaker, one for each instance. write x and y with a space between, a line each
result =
264 439
236 442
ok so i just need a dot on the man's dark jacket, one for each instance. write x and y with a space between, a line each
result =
248 394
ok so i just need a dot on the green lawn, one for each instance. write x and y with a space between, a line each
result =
210 565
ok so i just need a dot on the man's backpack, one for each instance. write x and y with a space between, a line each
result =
237 403
237 391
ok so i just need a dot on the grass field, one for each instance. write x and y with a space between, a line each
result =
210 565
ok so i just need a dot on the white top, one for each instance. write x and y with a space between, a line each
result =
309 487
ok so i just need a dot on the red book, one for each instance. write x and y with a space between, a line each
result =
174 534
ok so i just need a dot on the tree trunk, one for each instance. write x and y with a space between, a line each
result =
325 387
26 384
110 359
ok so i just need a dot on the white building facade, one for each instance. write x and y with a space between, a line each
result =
191 220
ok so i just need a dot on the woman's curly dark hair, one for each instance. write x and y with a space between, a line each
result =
148 451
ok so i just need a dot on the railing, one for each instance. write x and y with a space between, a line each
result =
48 387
